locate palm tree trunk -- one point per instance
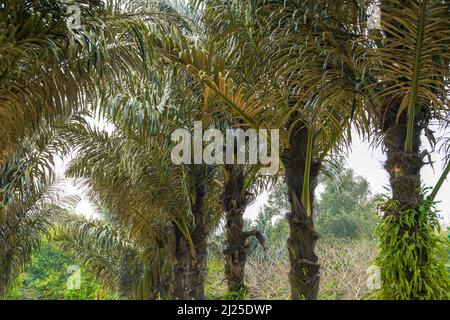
(234, 202)
(402, 143)
(5, 271)
(188, 267)
(304, 275)
(2, 276)
(401, 138)
(403, 167)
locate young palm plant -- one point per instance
(105, 248)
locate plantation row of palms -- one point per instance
(316, 70)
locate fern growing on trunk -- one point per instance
(412, 255)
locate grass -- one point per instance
(343, 273)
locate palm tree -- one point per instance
(32, 200)
(115, 260)
(280, 89)
(411, 63)
(399, 75)
(49, 70)
(413, 89)
(133, 165)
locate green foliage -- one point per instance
(46, 278)
(331, 69)
(346, 208)
(413, 256)
(242, 294)
(215, 287)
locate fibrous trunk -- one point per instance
(304, 274)
(408, 229)
(412, 239)
(189, 262)
(403, 167)
(234, 202)
(189, 268)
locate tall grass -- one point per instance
(343, 272)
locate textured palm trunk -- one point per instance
(3, 273)
(234, 202)
(188, 267)
(304, 274)
(403, 167)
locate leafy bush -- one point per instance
(45, 279)
(215, 287)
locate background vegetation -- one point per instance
(46, 279)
